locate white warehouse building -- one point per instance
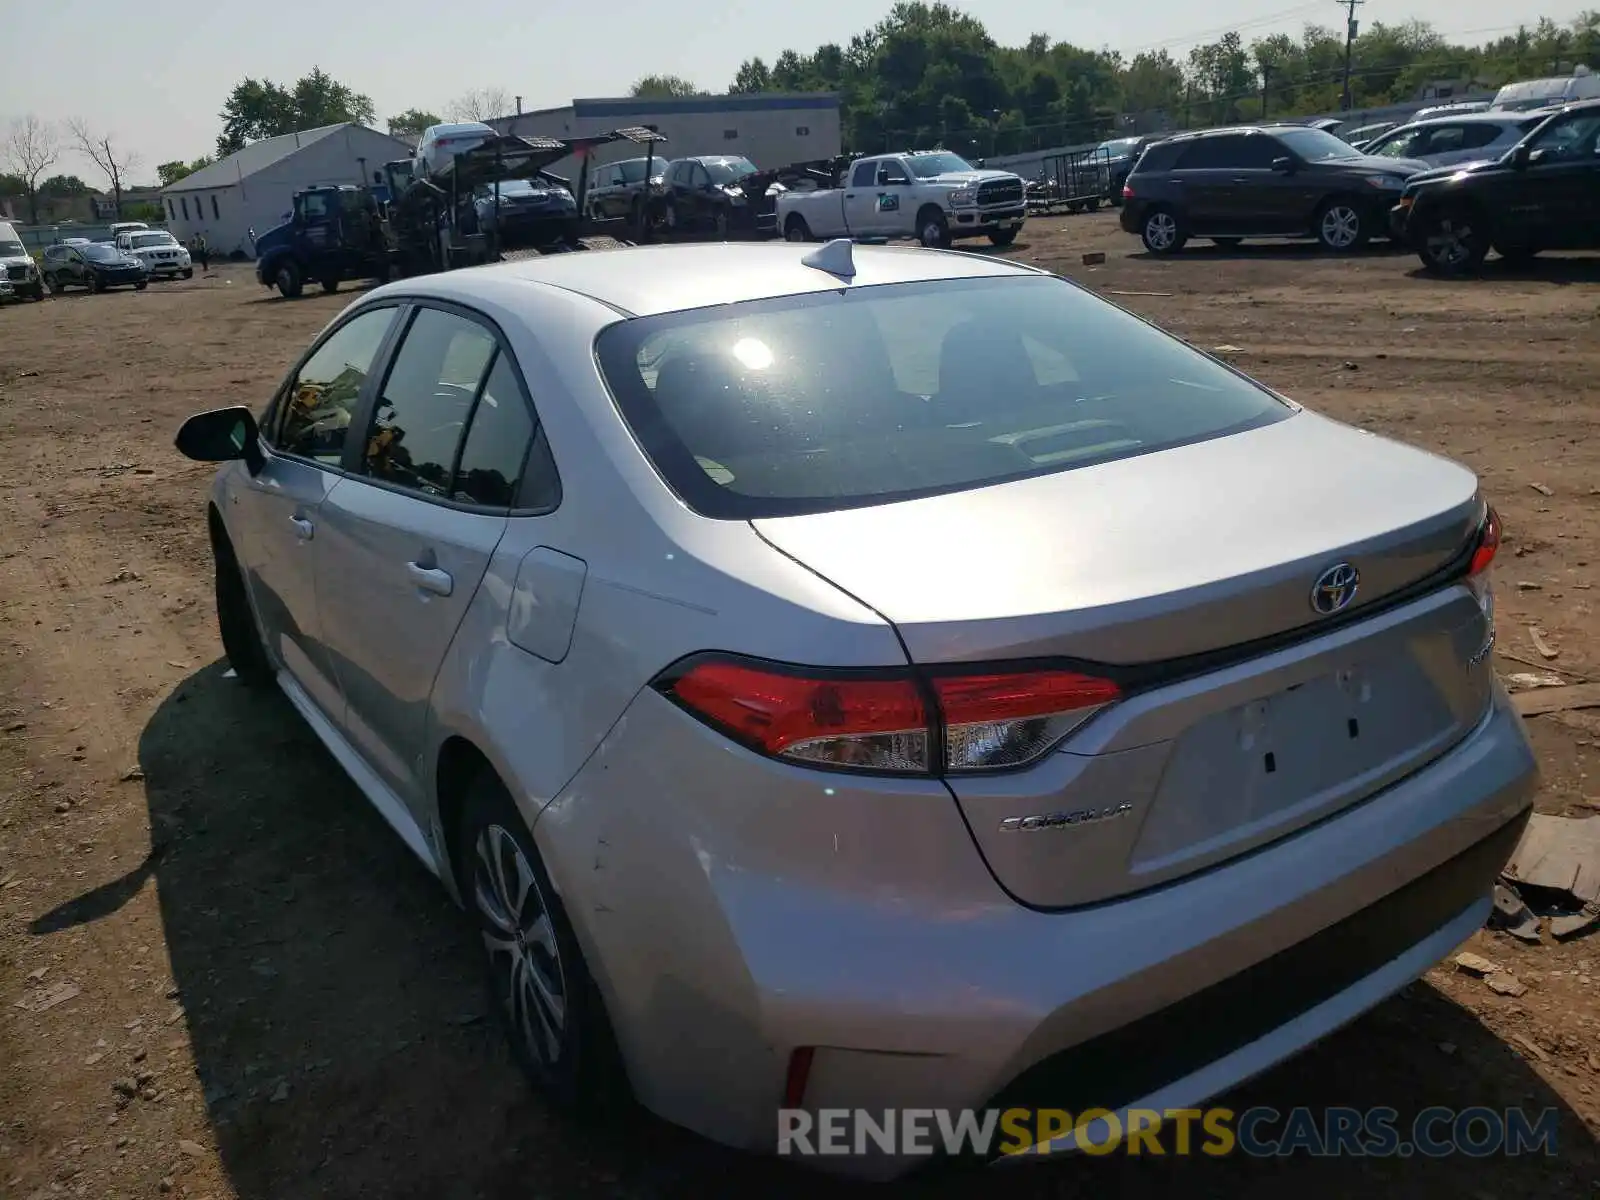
(254, 189)
(770, 129)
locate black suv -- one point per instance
(92, 265)
(1544, 194)
(1275, 181)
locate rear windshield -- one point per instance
(846, 398)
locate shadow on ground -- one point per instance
(1542, 268)
(340, 1033)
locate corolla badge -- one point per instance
(1334, 589)
(1065, 820)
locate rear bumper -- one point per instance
(734, 909)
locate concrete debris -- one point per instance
(47, 998)
(1476, 964)
(1527, 679)
(1541, 489)
(1561, 854)
(1557, 699)
(1506, 984)
(1545, 649)
(1513, 916)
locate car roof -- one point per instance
(649, 280)
(1476, 118)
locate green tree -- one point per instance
(659, 86)
(170, 172)
(413, 121)
(260, 108)
(63, 186)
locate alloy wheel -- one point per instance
(1449, 243)
(524, 959)
(1160, 230)
(1341, 227)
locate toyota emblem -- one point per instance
(1334, 589)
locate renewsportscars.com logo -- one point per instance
(1214, 1132)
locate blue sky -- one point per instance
(156, 73)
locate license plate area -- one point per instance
(1293, 756)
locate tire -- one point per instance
(241, 638)
(1003, 237)
(38, 292)
(795, 229)
(571, 1055)
(54, 284)
(721, 223)
(933, 230)
(669, 216)
(1094, 204)
(139, 287)
(1341, 227)
(288, 279)
(330, 285)
(1227, 243)
(1451, 244)
(93, 284)
(188, 272)
(1162, 232)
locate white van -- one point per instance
(17, 266)
(1582, 84)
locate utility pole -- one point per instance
(1350, 28)
(1266, 80)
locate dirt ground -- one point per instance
(258, 993)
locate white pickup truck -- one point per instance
(933, 196)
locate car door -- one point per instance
(277, 512)
(1203, 178)
(606, 192)
(1557, 195)
(1256, 198)
(402, 543)
(864, 198)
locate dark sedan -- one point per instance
(95, 266)
(531, 212)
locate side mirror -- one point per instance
(1283, 165)
(1521, 156)
(222, 435)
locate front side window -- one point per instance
(317, 407)
(1258, 152)
(426, 400)
(1567, 138)
(891, 172)
(839, 399)
(1402, 143)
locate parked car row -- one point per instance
(1452, 188)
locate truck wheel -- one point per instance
(287, 277)
(933, 231)
(795, 229)
(188, 272)
(330, 284)
(1003, 237)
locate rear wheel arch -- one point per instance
(460, 762)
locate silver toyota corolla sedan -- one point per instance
(874, 677)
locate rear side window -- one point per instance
(840, 399)
(497, 442)
(1202, 153)
(1159, 157)
(864, 174)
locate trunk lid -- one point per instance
(1172, 568)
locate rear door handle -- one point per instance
(303, 529)
(431, 579)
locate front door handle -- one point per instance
(431, 579)
(849, 195)
(303, 529)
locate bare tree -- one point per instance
(103, 151)
(31, 148)
(480, 104)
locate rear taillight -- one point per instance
(1488, 543)
(1127, 191)
(889, 721)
